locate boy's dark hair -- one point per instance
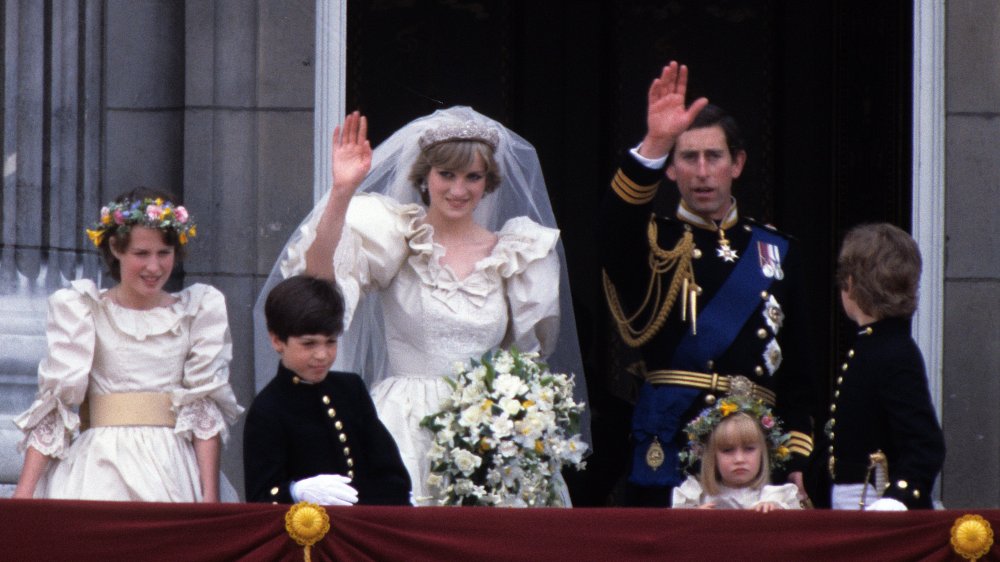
(303, 305)
(883, 264)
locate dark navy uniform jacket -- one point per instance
(882, 403)
(628, 216)
(296, 430)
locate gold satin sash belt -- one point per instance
(131, 408)
(736, 384)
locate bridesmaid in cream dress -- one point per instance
(150, 367)
(448, 288)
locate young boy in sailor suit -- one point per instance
(881, 411)
(312, 434)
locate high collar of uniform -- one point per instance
(288, 375)
(687, 215)
(886, 326)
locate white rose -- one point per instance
(463, 487)
(446, 436)
(503, 362)
(508, 448)
(477, 374)
(471, 415)
(465, 461)
(544, 397)
(436, 451)
(509, 386)
(510, 405)
(434, 480)
(501, 427)
(472, 394)
(531, 427)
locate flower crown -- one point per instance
(700, 428)
(119, 217)
(465, 130)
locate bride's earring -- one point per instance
(423, 187)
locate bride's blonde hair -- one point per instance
(453, 155)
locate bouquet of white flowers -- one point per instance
(504, 434)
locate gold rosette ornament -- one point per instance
(307, 523)
(971, 537)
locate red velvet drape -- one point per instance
(78, 530)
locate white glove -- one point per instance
(325, 489)
(887, 504)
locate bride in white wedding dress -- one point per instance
(428, 285)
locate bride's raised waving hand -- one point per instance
(351, 154)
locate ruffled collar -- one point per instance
(519, 242)
(142, 324)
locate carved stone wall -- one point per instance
(52, 155)
(210, 100)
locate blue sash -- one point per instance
(730, 308)
(659, 408)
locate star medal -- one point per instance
(654, 454)
(725, 252)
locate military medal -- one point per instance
(654, 454)
(725, 252)
(770, 261)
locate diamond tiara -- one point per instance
(466, 130)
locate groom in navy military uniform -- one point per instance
(713, 301)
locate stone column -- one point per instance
(248, 156)
(51, 150)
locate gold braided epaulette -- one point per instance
(657, 303)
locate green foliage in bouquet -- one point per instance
(505, 433)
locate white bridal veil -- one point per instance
(521, 193)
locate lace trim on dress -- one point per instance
(202, 419)
(48, 437)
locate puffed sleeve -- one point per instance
(531, 270)
(64, 373)
(785, 496)
(372, 246)
(205, 403)
(688, 494)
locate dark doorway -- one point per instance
(822, 90)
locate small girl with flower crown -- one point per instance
(738, 442)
